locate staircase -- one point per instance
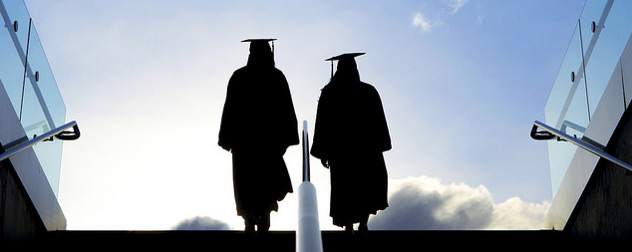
(332, 241)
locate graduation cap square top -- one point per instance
(345, 56)
(258, 40)
(258, 45)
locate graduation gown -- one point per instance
(351, 133)
(258, 124)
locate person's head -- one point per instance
(260, 52)
(347, 70)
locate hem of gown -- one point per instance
(272, 207)
(344, 221)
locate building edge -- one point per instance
(28, 203)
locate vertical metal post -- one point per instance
(308, 237)
(305, 153)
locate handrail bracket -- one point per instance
(69, 135)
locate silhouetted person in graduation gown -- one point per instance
(349, 137)
(258, 124)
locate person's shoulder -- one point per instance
(277, 71)
(368, 87)
(328, 87)
(239, 73)
(241, 70)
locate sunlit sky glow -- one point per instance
(461, 83)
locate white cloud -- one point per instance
(517, 214)
(201, 223)
(422, 22)
(456, 5)
(447, 8)
(423, 203)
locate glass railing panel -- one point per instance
(569, 77)
(19, 17)
(13, 38)
(11, 70)
(604, 42)
(33, 90)
(43, 109)
(566, 106)
(593, 11)
(560, 153)
(39, 71)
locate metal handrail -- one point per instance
(305, 153)
(551, 133)
(60, 133)
(308, 237)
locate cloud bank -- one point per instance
(201, 223)
(424, 203)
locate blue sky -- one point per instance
(461, 82)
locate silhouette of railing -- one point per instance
(308, 236)
(551, 133)
(305, 153)
(60, 133)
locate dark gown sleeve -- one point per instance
(227, 127)
(290, 132)
(321, 128)
(382, 135)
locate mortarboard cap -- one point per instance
(345, 56)
(260, 44)
(342, 57)
(258, 40)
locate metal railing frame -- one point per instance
(59, 133)
(551, 133)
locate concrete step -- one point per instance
(332, 240)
